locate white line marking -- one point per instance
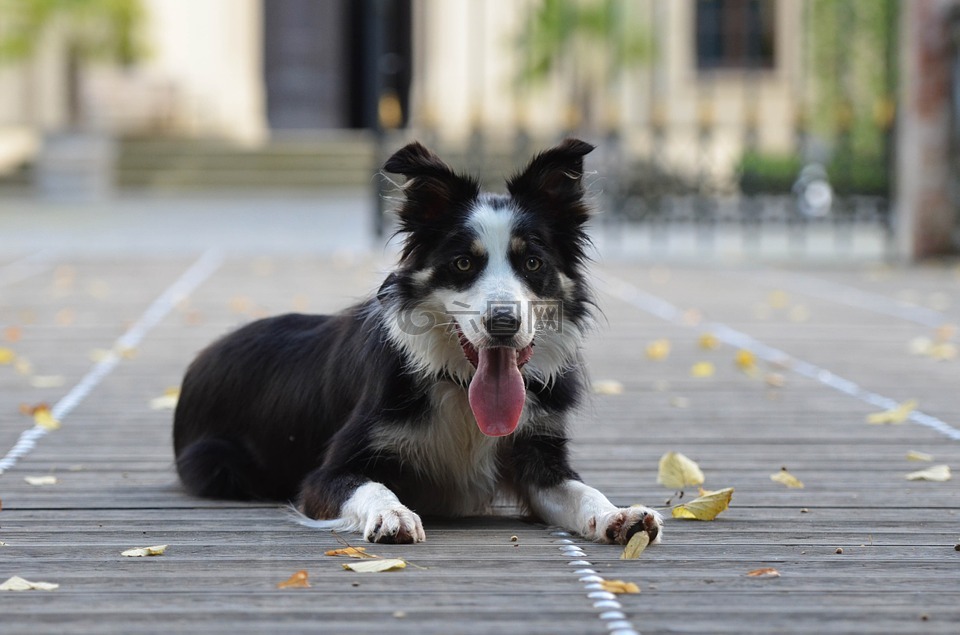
(209, 262)
(670, 313)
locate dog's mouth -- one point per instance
(496, 392)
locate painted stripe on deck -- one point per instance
(202, 269)
(668, 312)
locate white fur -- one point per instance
(578, 507)
(376, 512)
(449, 451)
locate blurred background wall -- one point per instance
(709, 111)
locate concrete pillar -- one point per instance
(926, 218)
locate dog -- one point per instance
(448, 390)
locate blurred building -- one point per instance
(701, 98)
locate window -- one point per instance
(735, 34)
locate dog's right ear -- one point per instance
(432, 188)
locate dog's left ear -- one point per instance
(555, 174)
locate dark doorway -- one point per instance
(328, 63)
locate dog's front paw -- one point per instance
(620, 526)
(394, 525)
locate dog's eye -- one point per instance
(463, 264)
(533, 263)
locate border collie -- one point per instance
(449, 389)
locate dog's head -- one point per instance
(491, 287)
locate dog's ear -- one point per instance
(555, 175)
(432, 188)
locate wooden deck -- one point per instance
(846, 333)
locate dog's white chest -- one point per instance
(449, 452)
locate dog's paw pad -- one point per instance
(629, 520)
(395, 526)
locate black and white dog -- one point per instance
(450, 388)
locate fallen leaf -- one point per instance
(766, 572)
(944, 332)
(680, 402)
(376, 566)
(706, 507)
(702, 369)
(23, 366)
(799, 313)
(619, 586)
(100, 354)
(142, 552)
(775, 380)
(778, 299)
(16, 583)
(7, 356)
(635, 546)
(943, 351)
(43, 418)
(788, 479)
(41, 480)
(745, 360)
(607, 387)
(47, 381)
(65, 317)
(920, 346)
(914, 455)
(166, 401)
(896, 415)
(12, 334)
(350, 552)
(676, 471)
(939, 473)
(658, 349)
(708, 341)
(298, 580)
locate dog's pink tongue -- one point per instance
(497, 392)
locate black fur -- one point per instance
(286, 408)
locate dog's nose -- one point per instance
(503, 321)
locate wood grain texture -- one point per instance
(116, 490)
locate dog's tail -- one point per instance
(220, 468)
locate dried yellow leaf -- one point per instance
(708, 341)
(7, 356)
(350, 552)
(939, 473)
(635, 546)
(298, 580)
(607, 387)
(45, 419)
(745, 360)
(376, 566)
(658, 349)
(766, 572)
(143, 552)
(41, 480)
(47, 381)
(706, 507)
(676, 471)
(619, 586)
(16, 583)
(896, 415)
(786, 478)
(945, 332)
(914, 455)
(166, 401)
(778, 299)
(702, 369)
(943, 351)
